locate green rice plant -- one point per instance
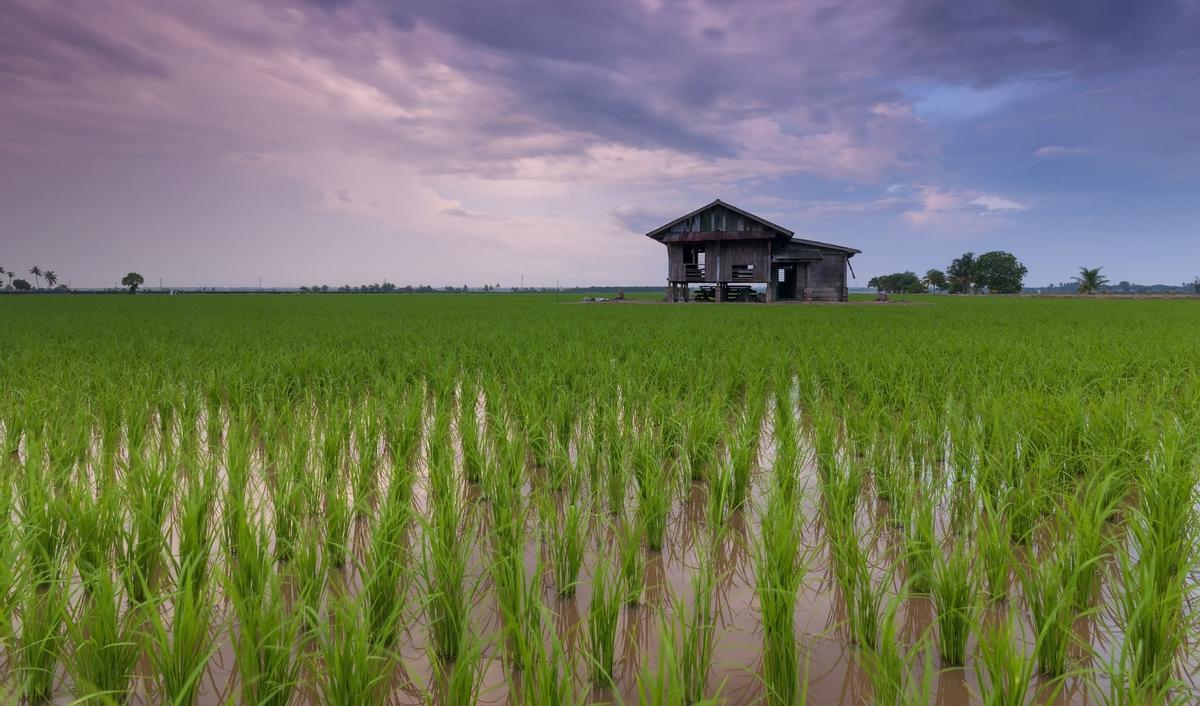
(96, 529)
(195, 533)
(249, 559)
(566, 534)
(460, 683)
(364, 472)
(474, 454)
(1048, 585)
(348, 669)
(995, 553)
(107, 642)
(338, 516)
(779, 573)
(148, 487)
(443, 569)
(864, 598)
(719, 496)
(920, 546)
(548, 677)
(40, 641)
(518, 596)
(697, 631)
(41, 517)
(385, 576)
(264, 643)
(655, 489)
(1009, 675)
(309, 571)
(891, 671)
(664, 683)
(10, 560)
(702, 438)
(1154, 568)
(617, 475)
(953, 591)
(1154, 626)
(1089, 540)
(604, 611)
(743, 450)
(632, 557)
(180, 649)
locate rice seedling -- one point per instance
(308, 572)
(348, 669)
(779, 573)
(697, 631)
(655, 492)
(443, 568)
(264, 644)
(633, 558)
(385, 578)
(743, 450)
(460, 683)
(337, 523)
(548, 677)
(995, 553)
(40, 640)
(603, 613)
(107, 642)
(953, 591)
(181, 648)
(1008, 673)
(891, 671)
(920, 546)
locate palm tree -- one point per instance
(51, 278)
(1090, 280)
(37, 273)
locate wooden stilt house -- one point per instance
(726, 251)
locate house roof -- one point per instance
(660, 233)
(731, 207)
(827, 246)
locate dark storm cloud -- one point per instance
(677, 74)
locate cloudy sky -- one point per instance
(455, 142)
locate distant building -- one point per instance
(727, 250)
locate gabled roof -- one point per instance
(735, 209)
(827, 246)
(659, 232)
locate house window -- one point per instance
(743, 273)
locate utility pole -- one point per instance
(260, 283)
(556, 290)
(522, 280)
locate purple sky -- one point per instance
(457, 142)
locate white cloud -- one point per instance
(991, 202)
(959, 210)
(1060, 151)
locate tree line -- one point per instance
(995, 272)
(17, 284)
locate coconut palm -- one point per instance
(1090, 280)
(51, 278)
(37, 274)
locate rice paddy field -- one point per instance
(458, 499)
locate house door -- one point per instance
(786, 282)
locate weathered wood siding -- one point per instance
(827, 277)
(734, 253)
(716, 218)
